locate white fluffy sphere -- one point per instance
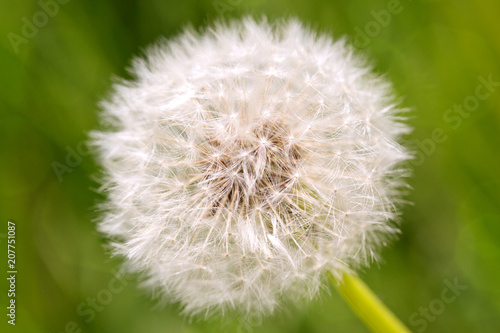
(243, 162)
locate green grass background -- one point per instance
(434, 52)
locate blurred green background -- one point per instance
(438, 53)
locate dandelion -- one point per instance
(244, 163)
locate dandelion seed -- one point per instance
(258, 196)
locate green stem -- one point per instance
(368, 306)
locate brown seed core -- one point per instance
(252, 170)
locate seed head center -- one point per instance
(244, 169)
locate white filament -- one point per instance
(245, 161)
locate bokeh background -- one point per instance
(437, 53)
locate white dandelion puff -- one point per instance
(245, 161)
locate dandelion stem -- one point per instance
(368, 306)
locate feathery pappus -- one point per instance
(243, 162)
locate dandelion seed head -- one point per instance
(245, 161)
